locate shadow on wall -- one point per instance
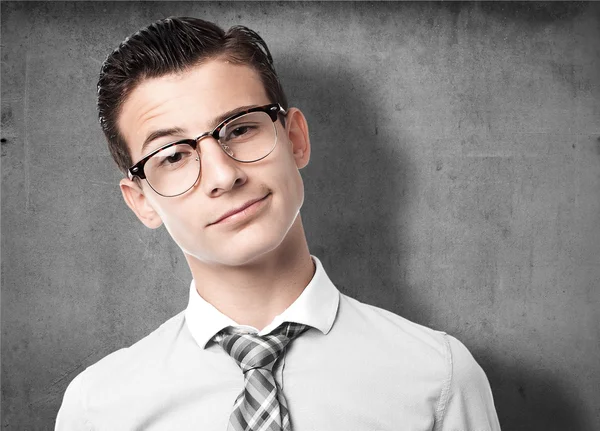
(358, 189)
(530, 398)
(357, 181)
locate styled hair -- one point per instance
(168, 46)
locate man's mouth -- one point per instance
(240, 211)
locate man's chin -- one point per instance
(236, 254)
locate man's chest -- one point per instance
(352, 396)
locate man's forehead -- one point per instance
(187, 101)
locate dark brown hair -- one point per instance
(173, 45)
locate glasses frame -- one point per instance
(272, 109)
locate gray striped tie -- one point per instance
(261, 406)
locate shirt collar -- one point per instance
(316, 307)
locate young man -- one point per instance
(198, 122)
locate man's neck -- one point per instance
(254, 294)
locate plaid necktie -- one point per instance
(261, 406)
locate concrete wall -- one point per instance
(455, 180)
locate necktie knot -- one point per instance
(252, 351)
(261, 404)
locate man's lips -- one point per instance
(239, 209)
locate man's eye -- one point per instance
(239, 131)
(174, 158)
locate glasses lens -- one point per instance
(173, 170)
(249, 137)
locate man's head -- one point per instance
(175, 81)
(170, 46)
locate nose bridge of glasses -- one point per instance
(204, 135)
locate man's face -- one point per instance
(191, 101)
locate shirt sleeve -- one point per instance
(72, 414)
(466, 402)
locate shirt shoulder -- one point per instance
(102, 379)
(390, 328)
(149, 348)
(466, 402)
(421, 356)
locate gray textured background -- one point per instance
(455, 180)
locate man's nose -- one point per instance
(219, 172)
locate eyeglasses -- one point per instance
(246, 137)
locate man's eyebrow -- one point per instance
(179, 131)
(159, 134)
(224, 116)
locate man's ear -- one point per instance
(138, 202)
(297, 131)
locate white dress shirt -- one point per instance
(359, 368)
